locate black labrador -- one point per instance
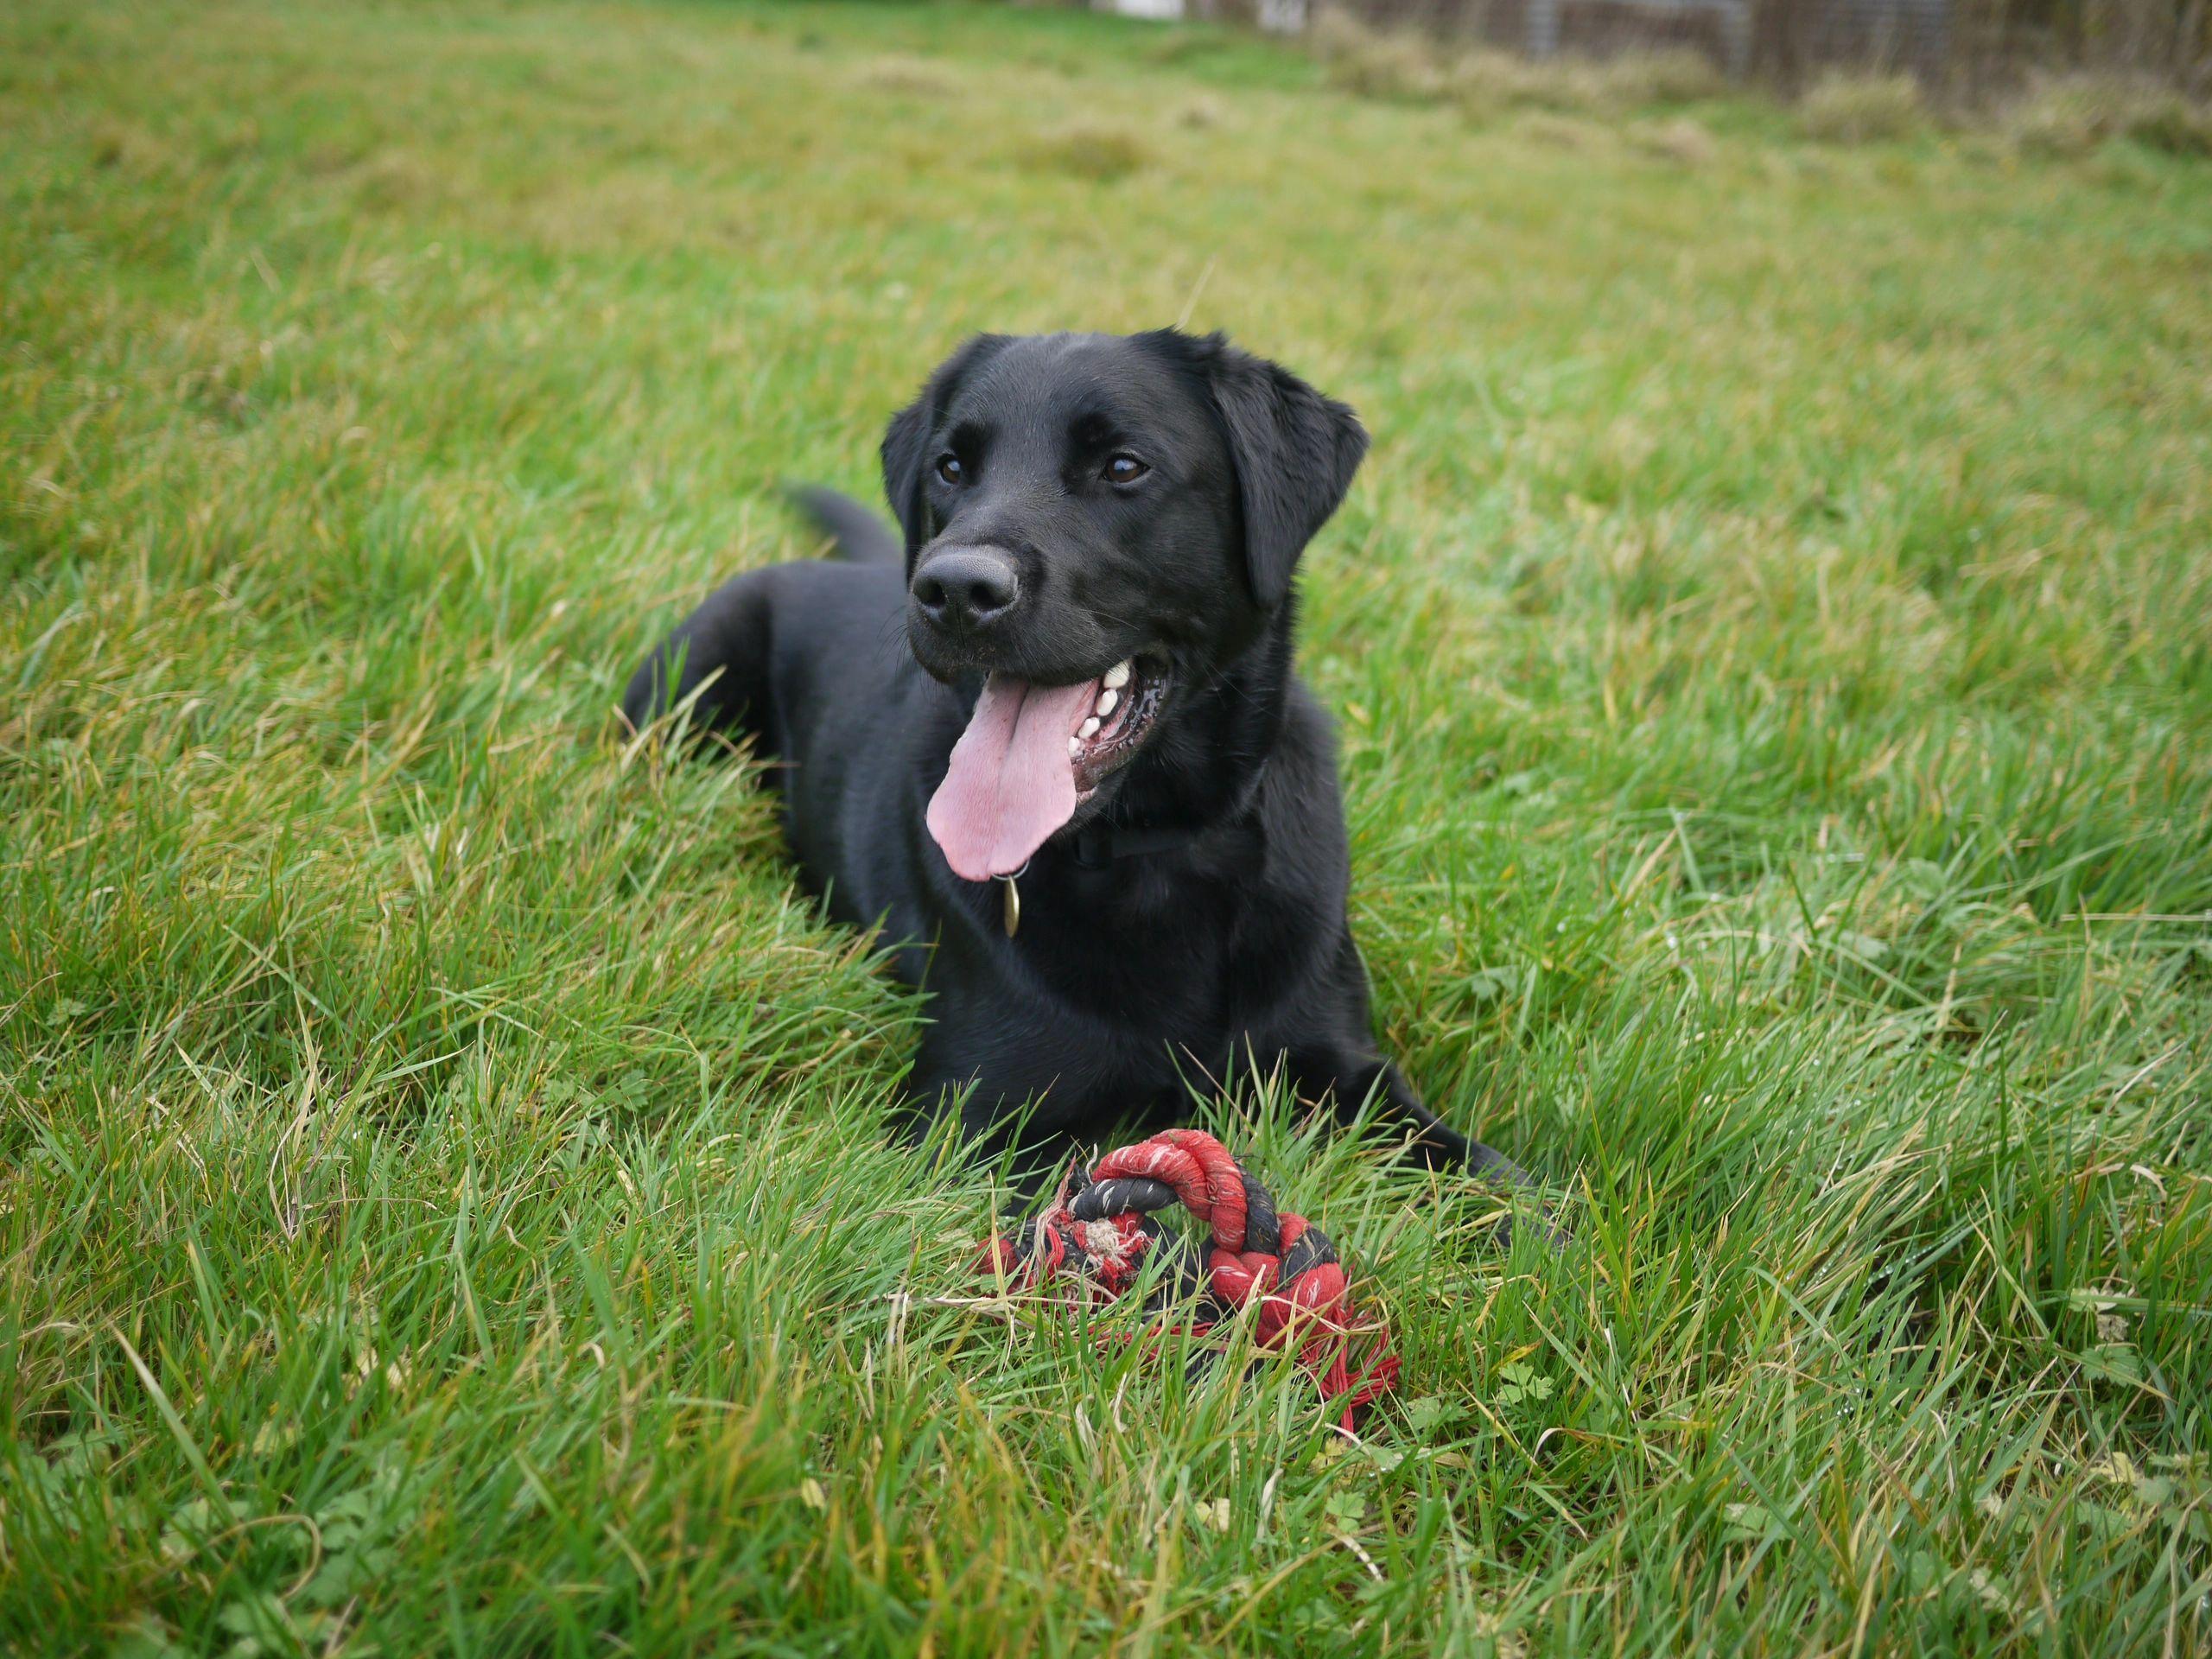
(1086, 793)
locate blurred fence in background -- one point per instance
(1965, 48)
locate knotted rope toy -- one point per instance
(1100, 1229)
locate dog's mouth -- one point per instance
(1031, 756)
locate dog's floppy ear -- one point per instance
(1295, 452)
(906, 441)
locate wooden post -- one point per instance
(1543, 27)
(1736, 37)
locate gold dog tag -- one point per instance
(1013, 905)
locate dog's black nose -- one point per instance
(966, 588)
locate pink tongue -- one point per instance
(1011, 782)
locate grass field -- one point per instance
(445, 1198)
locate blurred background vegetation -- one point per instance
(1968, 51)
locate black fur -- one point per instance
(1221, 943)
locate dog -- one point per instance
(1050, 738)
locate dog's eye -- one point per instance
(949, 469)
(1125, 469)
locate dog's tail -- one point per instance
(863, 536)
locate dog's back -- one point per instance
(860, 533)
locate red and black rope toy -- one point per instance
(1100, 1231)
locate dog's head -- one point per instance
(1098, 525)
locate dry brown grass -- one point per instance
(2061, 116)
(1485, 83)
(913, 76)
(2072, 115)
(1685, 142)
(1099, 151)
(1850, 107)
(1378, 63)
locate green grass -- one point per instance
(445, 1196)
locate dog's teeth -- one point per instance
(1117, 676)
(1075, 747)
(1089, 728)
(1107, 700)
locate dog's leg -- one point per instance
(1471, 1155)
(1004, 1102)
(1352, 1079)
(985, 1110)
(1436, 1143)
(1039, 1159)
(722, 647)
